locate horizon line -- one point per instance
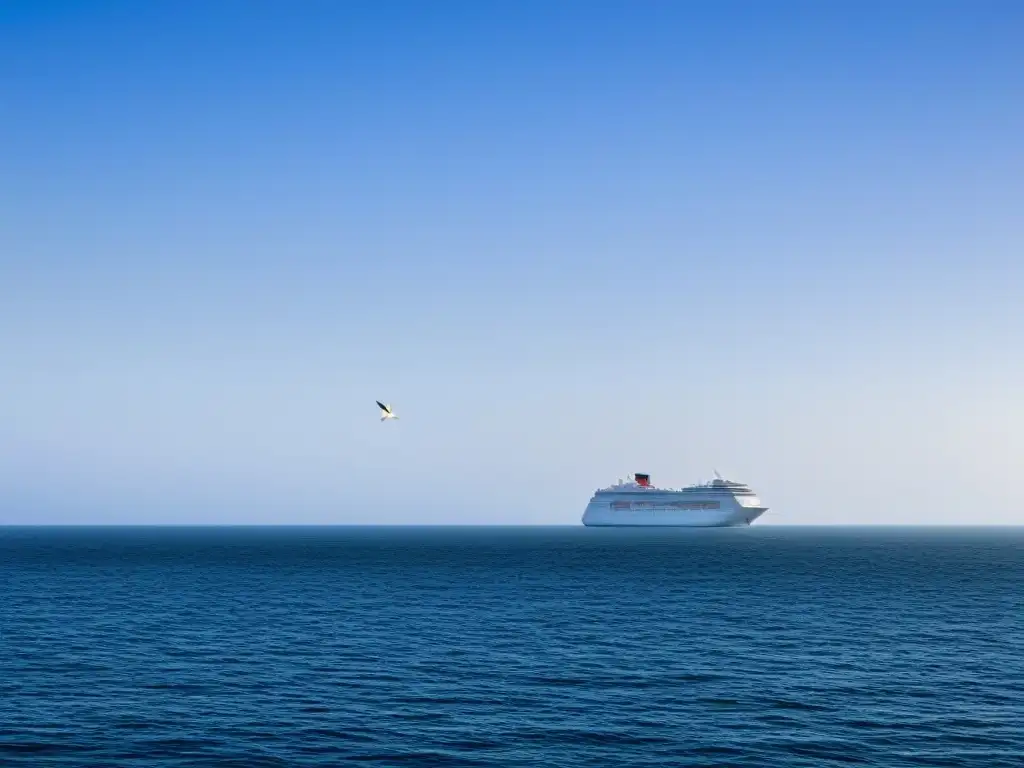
(502, 525)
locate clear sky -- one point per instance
(566, 240)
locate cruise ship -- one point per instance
(715, 504)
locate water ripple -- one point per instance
(563, 647)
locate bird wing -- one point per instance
(383, 407)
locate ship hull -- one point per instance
(732, 515)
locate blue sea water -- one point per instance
(766, 646)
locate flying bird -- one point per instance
(385, 411)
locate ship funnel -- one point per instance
(642, 480)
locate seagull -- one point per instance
(385, 411)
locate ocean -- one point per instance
(764, 646)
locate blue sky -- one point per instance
(566, 240)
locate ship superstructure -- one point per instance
(714, 504)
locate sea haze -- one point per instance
(767, 646)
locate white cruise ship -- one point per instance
(718, 503)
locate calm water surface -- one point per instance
(511, 647)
